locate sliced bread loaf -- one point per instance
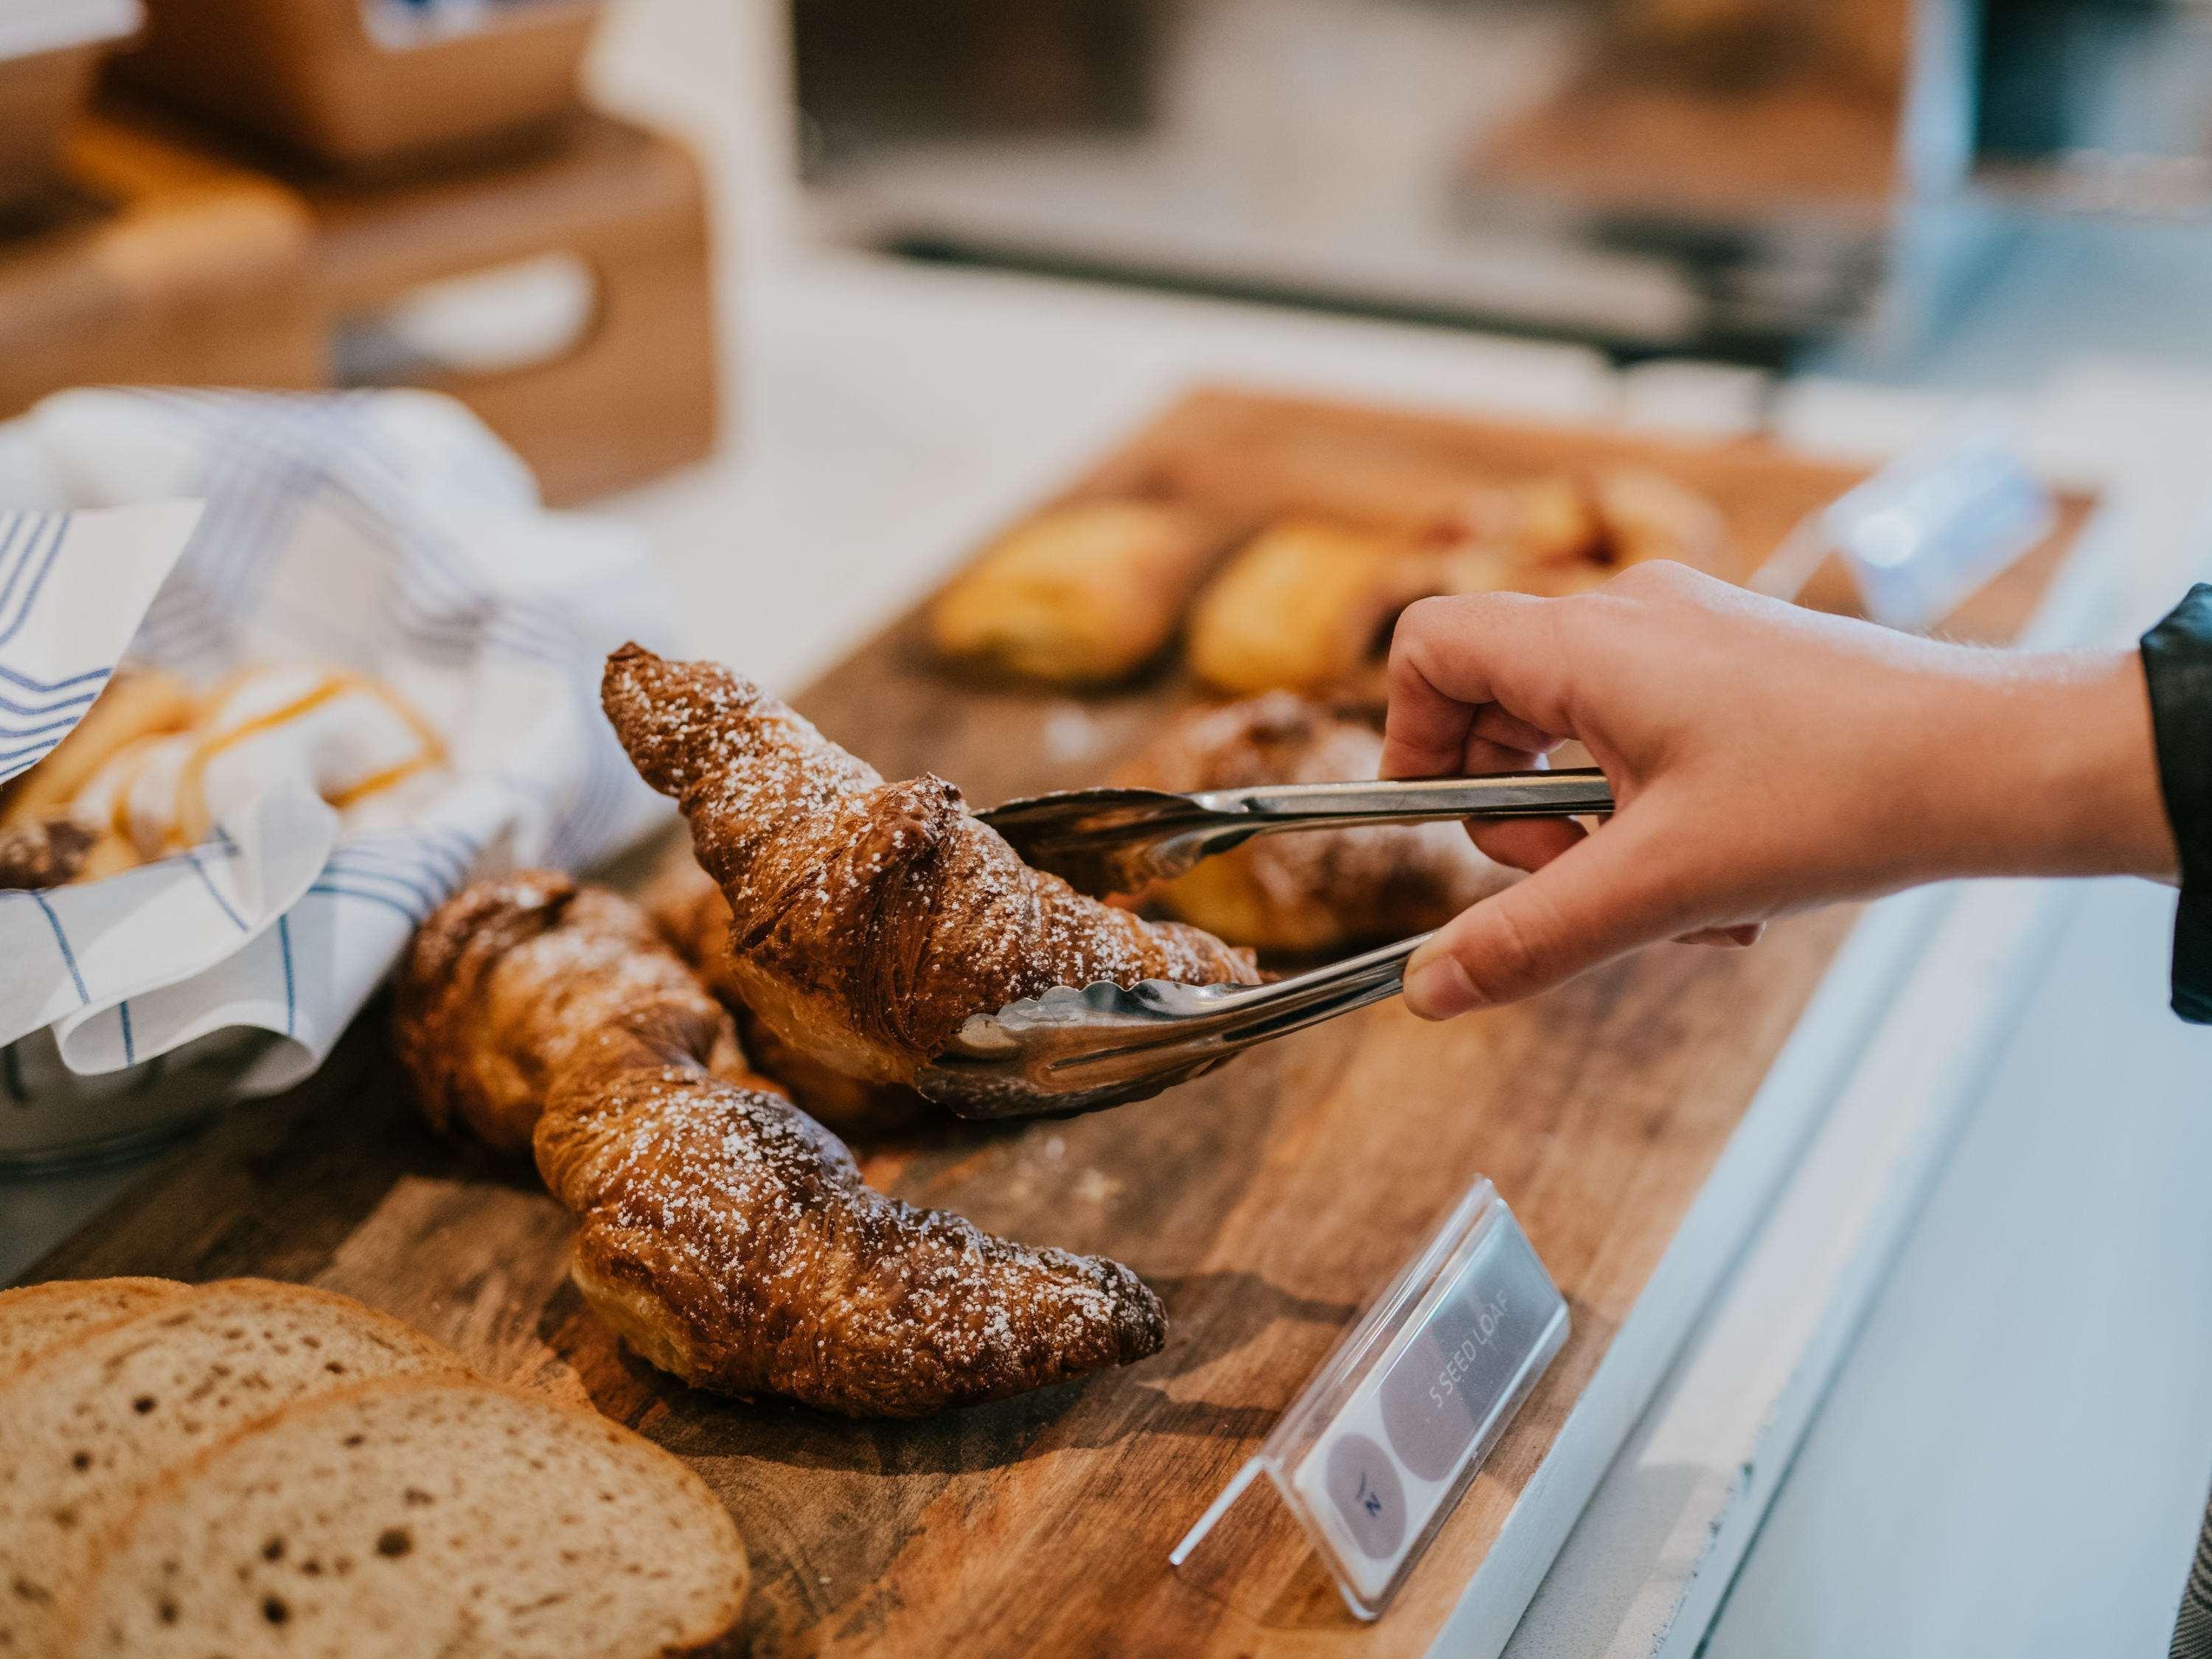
(87, 1429)
(417, 1516)
(39, 1318)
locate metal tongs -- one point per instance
(1076, 1048)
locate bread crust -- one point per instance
(715, 1633)
(37, 1319)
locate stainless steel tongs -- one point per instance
(1079, 1049)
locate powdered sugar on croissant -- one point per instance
(870, 918)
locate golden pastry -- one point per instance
(137, 703)
(1647, 515)
(1545, 519)
(870, 918)
(135, 779)
(1565, 534)
(1083, 594)
(725, 1235)
(361, 746)
(485, 1061)
(1324, 890)
(1305, 605)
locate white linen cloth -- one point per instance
(385, 532)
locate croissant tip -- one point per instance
(1144, 1323)
(632, 668)
(624, 661)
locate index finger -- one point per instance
(1452, 658)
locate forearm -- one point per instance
(2041, 765)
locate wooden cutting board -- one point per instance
(1265, 1202)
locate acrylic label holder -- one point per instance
(1929, 529)
(1373, 1455)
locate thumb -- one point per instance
(1601, 898)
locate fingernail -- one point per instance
(1439, 988)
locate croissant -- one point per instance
(1323, 890)
(694, 918)
(869, 919)
(723, 1233)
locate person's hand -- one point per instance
(1764, 759)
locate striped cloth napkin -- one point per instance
(387, 534)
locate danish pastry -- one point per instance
(1305, 605)
(1084, 594)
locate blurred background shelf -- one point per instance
(382, 86)
(153, 263)
(386, 195)
(564, 295)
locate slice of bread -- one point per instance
(39, 1318)
(414, 1517)
(85, 1431)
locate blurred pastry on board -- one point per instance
(1566, 534)
(1544, 520)
(1309, 605)
(1305, 603)
(1323, 892)
(133, 782)
(1081, 594)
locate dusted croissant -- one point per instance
(506, 982)
(728, 1237)
(870, 918)
(694, 918)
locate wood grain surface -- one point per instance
(1266, 1202)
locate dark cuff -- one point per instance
(2177, 658)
